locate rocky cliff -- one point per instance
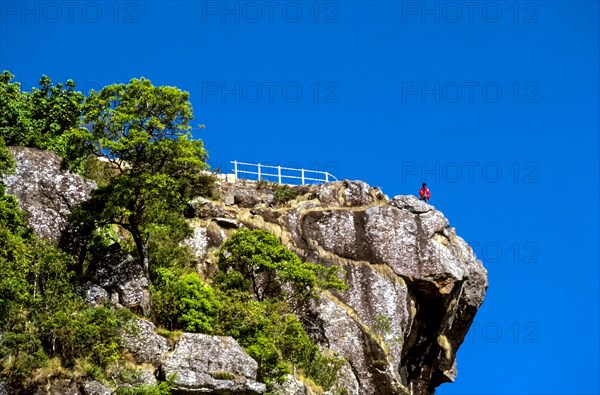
(414, 285)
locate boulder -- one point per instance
(246, 194)
(204, 208)
(120, 274)
(346, 382)
(93, 294)
(291, 386)
(212, 364)
(410, 203)
(144, 343)
(93, 387)
(44, 191)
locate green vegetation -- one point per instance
(383, 325)
(283, 194)
(267, 286)
(150, 168)
(184, 302)
(45, 326)
(160, 388)
(142, 132)
(256, 297)
(45, 118)
(256, 260)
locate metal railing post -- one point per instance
(259, 172)
(302, 176)
(326, 177)
(279, 173)
(235, 171)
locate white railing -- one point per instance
(280, 174)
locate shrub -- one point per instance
(283, 194)
(43, 322)
(383, 325)
(184, 302)
(277, 340)
(272, 271)
(263, 184)
(41, 316)
(266, 285)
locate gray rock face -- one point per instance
(204, 208)
(346, 382)
(291, 387)
(93, 294)
(212, 364)
(93, 387)
(245, 194)
(144, 343)
(44, 191)
(198, 242)
(118, 273)
(414, 285)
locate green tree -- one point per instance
(273, 271)
(15, 117)
(48, 117)
(55, 109)
(184, 302)
(41, 317)
(142, 132)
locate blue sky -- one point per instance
(494, 104)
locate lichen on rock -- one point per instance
(45, 191)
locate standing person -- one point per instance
(424, 193)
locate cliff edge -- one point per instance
(414, 285)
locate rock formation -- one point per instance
(212, 364)
(414, 285)
(45, 191)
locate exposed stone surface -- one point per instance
(93, 387)
(144, 343)
(212, 364)
(118, 273)
(93, 294)
(414, 285)
(44, 191)
(204, 208)
(198, 242)
(146, 376)
(245, 194)
(346, 381)
(291, 386)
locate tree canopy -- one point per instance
(142, 131)
(43, 118)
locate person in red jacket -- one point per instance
(424, 193)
